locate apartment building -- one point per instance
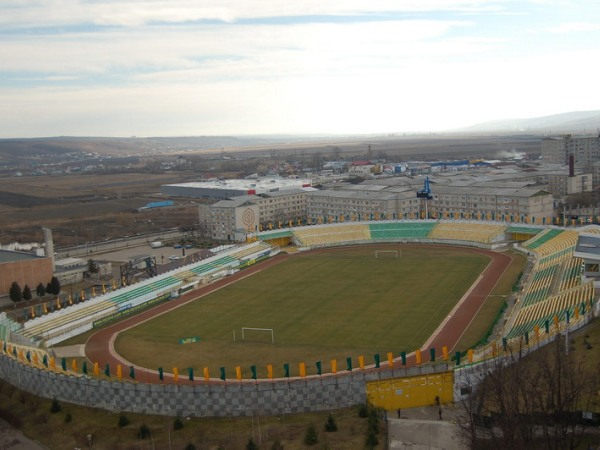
(585, 149)
(528, 204)
(233, 219)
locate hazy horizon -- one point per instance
(183, 68)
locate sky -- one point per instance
(255, 67)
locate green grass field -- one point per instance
(333, 305)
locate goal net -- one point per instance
(253, 331)
(393, 254)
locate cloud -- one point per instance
(575, 27)
(157, 67)
(250, 50)
(56, 13)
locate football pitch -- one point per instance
(321, 306)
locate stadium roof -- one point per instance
(588, 246)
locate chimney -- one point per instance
(571, 165)
(49, 244)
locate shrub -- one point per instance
(177, 423)
(371, 440)
(251, 445)
(277, 445)
(68, 418)
(123, 421)
(363, 411)
(373, 422)
(55, 407)
(144, 432)
(330, 425)
(190, 446)
(311, 437)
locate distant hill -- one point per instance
(20, 152)
(586, 122)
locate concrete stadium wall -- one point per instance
(295, 395)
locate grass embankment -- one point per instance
(69, 427)
(490, 311)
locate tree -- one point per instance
(144, 432)
(92, 266)
(15, 293)
(528, 401)
(54, 286)
(330, 425)
(55, 406)
(27, 293)
(40, 290)
(123, 421)
(177, 423)
(311, 437)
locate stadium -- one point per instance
(555, 293)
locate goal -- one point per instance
(394, 254)
(245, 330)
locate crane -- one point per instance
(425, 193)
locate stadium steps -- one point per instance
(467, 231)
(571, 275)
(513, 229)
(54, 323)
(319, 236)
(248, 251)
(557, 305)
(541, 238)
(266, 236)
(7, 326)
(401, 230)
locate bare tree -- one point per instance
(526, 402)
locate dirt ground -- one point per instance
(85, 208)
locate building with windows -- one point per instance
(526, 204)
(233, 219)
(585, 149)
(521, 204)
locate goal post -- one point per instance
(266, 330)
(394, 254)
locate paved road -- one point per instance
(12, 439)
(88, 248)
(421, 428)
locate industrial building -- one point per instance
(226, 189)
(24, 268)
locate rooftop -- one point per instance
(7, 256)
(259, 185)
